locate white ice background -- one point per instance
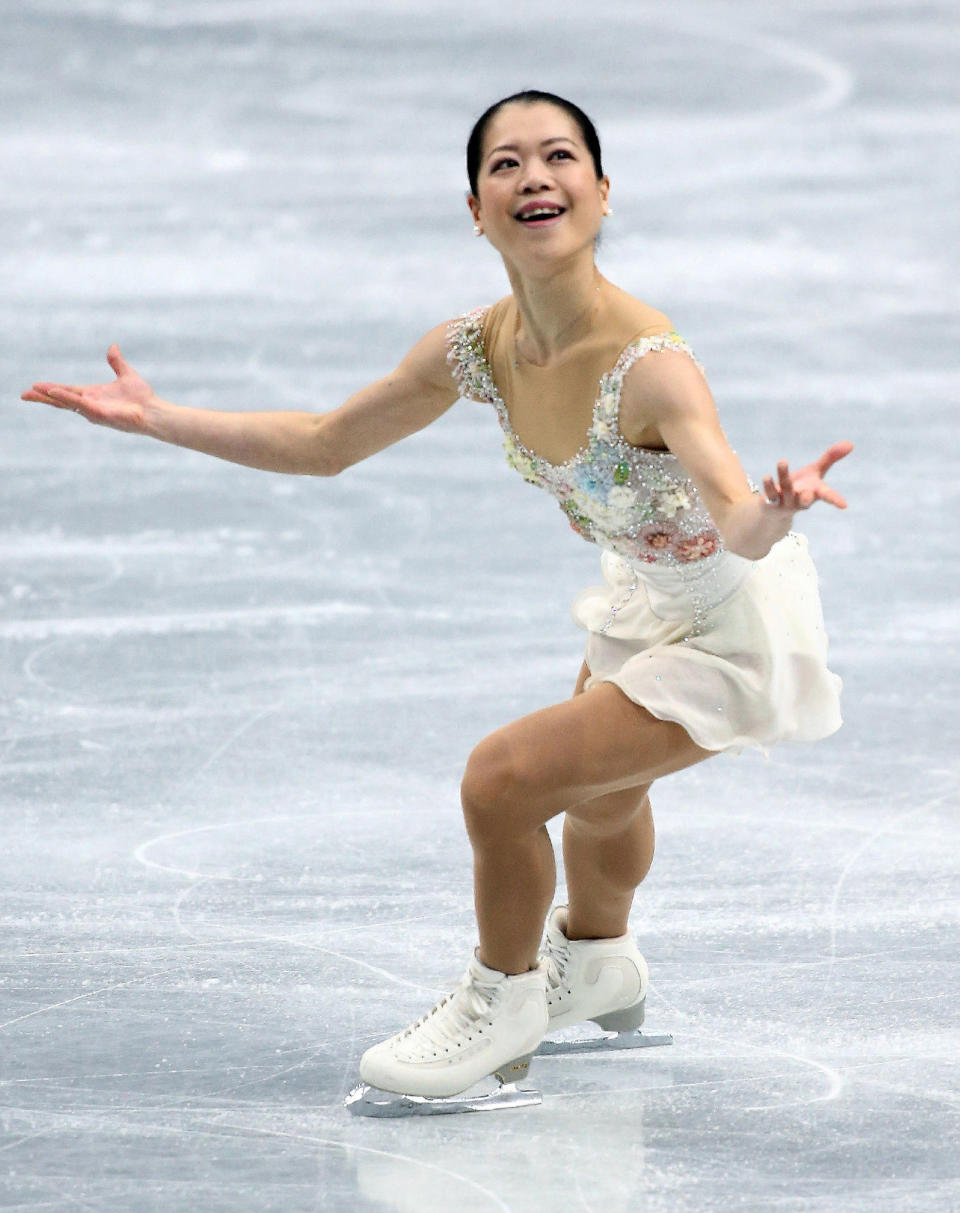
(236, 707)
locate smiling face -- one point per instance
(538, 195)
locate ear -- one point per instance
(604, 186)
(474, 204)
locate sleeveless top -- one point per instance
(632, 501)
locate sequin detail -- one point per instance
(630, 500)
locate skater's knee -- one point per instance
(492, 791)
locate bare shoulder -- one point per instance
(427, 362)
(665, 369)
(441, 355)
(664, 384)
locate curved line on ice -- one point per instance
(891, 822)
(837, 80)
(140, 854)
(836, 1080)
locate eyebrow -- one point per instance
(512, 147)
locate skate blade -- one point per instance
(604, 1044)
(364, 1100)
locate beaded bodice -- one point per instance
(636, 502)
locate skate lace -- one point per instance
(460, 1013)
(555, 957)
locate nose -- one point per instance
(535, 179)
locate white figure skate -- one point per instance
(488, 1027)
(600, 980)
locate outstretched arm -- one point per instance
(668, 390)
(300, 443)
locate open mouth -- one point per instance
(540, 214)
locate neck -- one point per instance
(555, 311)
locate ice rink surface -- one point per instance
(236, 706)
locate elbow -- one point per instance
(309, 463)
(324, 458)
(325, 467)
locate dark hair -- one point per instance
(530, 96)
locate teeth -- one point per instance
(545, 211)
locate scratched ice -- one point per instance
(236, 707)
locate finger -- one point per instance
(49, 387)
(831, 497)
(45, 398)
(117, 361)
(66, 396)
(76, 388)
(771, 490)
(39, 391)
(787, 494)
(839, 450)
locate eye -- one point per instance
(503, 162)
(561, 151)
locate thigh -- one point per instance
(579, 750)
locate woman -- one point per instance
(705, 637)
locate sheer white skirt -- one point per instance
(740, 659)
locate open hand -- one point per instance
(799, 490)
(122, 404)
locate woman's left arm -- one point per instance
(666, 390)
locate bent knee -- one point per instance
(493, 790)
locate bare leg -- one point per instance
(572, 756)
(513, 888)
(607, 851)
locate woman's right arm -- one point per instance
(307, 444)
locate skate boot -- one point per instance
(489, 1026)
(601, 980)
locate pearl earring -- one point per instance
(477, 229)
(608, 211)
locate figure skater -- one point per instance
(706, 636)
